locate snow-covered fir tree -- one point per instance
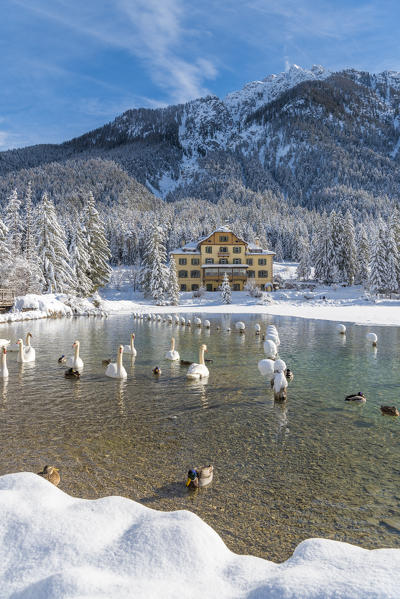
(29, 246)
(348, 250)
(323, 254)
(378, 265)
(173, 285)
(338, 257)
(53, 257)
(226, 293)
(99, 269)
(13, 222)
(304, 267)
(154, 273)
(80, 259)
(392, 261)
(363, 258)
(5, 254)
(394, 226)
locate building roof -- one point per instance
(192, 246)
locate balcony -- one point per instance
(220, 276)
(223, 254)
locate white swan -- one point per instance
(15, 346)
(25, 354)
(130, 349)
(75, 361)
(4, 369)
(200, 370)
(116, 370)
(172, 354)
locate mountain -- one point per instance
(322, 139)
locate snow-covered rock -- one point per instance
(56, 546)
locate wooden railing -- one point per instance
(7, 297)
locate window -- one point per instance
(237, 249)
(251, 274)
(183, 287)
(262, 261)
(208, 249)
(263, 274)
(249, 261)
(195, 261)
(195, 274)
(223, 260)
(195, 287)
(236, 286)
(182, 274)
(237, 261)
(182, 261)
(209, 287)
(223, 238)
(209, 260)
(224, 250)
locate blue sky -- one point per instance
(69, 66)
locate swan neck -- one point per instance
(76, 351)
(201, 359)
(3, 360)
(119, 361)
(21, 351)
(173, 344)
(132, 341)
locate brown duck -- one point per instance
(391, 410)
(51, 474)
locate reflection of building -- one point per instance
(204, 262)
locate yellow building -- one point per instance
(204, 262)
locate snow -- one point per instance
(56, 546)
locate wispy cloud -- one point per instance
(152, 31)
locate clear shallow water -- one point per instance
(315, 466)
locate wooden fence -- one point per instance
(7, 297)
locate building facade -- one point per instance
(204, 262)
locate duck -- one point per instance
(390, 410)
(115, 370)
(62, 359)
(75, 361)
(51, 474)
(3, 368)
(26, 353)
(289, 374)
(157, 370)
(200, 477)
(357, 397)
(200, 370)
(130, 349)
(106, 362)
(71, 373)
(172, 354)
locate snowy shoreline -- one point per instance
(54, 545)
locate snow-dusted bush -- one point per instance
(200, 292)
(252, 288)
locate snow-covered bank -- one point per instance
(52, 305)
(347, 305)
(56, 546)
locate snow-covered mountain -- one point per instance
(318, 137)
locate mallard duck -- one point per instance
(391, 410)
(71, 373)
(51, 474)
(359, 397)
(157, 370)
(289, 374)
(62, 359)
(200, 477)
(106, 362)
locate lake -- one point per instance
(314, 466)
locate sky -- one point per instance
(69, 66)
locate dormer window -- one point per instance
(223, 238)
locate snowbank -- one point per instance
(33, 306)
(56, 546)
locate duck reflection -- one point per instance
(282, 422)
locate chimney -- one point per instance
(183, 242)
(257, 242)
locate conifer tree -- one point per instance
(378, 266)
(99, 269)
(14, 224)
(28, 242)
(348, 250)
(304, 267)
(173, 285)
(323, 252)
(154, 273)
(79, 253)
(392, 261)
(5, 254)
(53, 255)
(226, 293)
(363, 260)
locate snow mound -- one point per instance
(56, 546)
